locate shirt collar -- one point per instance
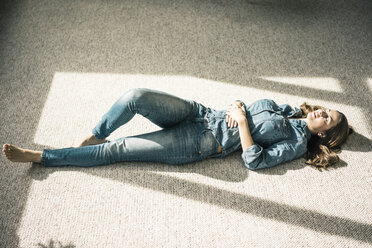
(302, 126)
(289, 111)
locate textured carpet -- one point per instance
(64, 63)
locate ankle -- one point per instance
(36, 157)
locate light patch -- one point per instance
(90, 206)
(77, 101)
(88, 211)
(321, 83)
(369, 82)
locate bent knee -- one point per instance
(137, 94)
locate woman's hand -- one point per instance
(235, 114)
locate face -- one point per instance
(322, 120)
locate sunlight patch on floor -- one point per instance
(84, 209)
(102, 199)
(369, 82)
(77, 101)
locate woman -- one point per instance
(267, 133)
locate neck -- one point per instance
(307, 124)
(312, 131)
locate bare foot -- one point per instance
(17, 154)
(91, 140)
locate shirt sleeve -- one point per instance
(255, 157)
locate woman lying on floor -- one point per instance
(268, 134)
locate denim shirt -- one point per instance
(277, 139)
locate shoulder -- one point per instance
(300, 132)
(290, 111)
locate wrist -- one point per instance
(243, 121)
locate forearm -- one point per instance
(245, 135)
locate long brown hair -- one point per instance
(321, 152)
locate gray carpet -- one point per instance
(63, 63)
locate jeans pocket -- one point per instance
(207, 144)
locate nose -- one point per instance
(323, 114)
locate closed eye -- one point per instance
(329, 116)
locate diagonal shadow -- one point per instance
(229, 200)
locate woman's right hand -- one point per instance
(230, 121)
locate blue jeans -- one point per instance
(184, 136)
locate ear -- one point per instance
(321, 135)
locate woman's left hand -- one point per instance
(235, 114)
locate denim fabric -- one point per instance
(184, 138)
(191, 132)
(277, 139)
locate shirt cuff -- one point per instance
(251, 154)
